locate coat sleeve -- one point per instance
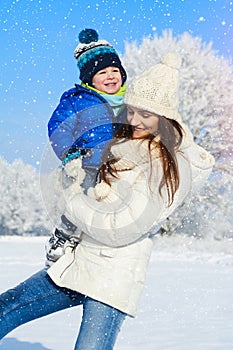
(81, 120)
(62, 125)
(127, 217)
(133, 206)
(201, 163)
(132, 210)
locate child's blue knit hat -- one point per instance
(93, 55)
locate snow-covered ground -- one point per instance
(187, 302)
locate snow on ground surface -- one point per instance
(187, 303)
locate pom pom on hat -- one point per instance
(93, 54)
(156, 89)
(171, 59)
(86, 36)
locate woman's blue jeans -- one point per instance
(38, 296)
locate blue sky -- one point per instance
(38, 38)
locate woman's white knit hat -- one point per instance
(156, 89)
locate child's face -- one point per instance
(107, 80)
(142, 122)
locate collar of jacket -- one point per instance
(120, 92)
(116, 100)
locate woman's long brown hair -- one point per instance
(171, 134)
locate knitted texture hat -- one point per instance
(156, 90)
(93, 55)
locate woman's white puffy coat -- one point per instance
(110, 263)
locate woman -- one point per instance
(150, 168)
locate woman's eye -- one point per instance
(129, 111)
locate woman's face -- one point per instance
(143, 123)
(107, 80)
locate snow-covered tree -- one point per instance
(206, 106)
(22, 211)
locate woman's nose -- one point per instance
(135, 120)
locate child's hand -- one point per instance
(74, 169)
(72, 154)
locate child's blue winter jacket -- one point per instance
(82, 120)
